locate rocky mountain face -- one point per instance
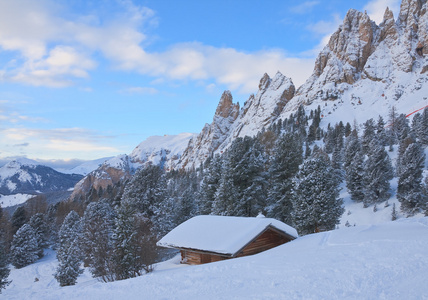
(366, 62)
(212, 135)
(230, 122)
(26, 177)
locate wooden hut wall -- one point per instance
(267, 240)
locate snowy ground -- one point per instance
(383, 261)
(11, 200)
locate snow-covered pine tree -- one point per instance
(392, 131)
(354, 167)
(97, 243)
(69, 253)
(134, 243)
(316, 205)
(40, 227)
(288, 155)
(147, 191)
(368, 135)
(422, 130)
(393, 213)
(209, 186)
(19, 218)
(4, 266)
(410, 191)
(241, 189)
(378, 172)
(380, 132)
(226, 193)
(250, 179)
(24, 250)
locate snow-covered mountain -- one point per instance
(366, 68)
(363, 71)
(27, 176)
(160, 150)
(84, 168)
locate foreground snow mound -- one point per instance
(384, 261)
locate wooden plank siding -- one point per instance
(266, 240)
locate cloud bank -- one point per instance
(54, 51)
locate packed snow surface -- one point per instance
(383, 261)
(220, 234)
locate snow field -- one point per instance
(383, 261)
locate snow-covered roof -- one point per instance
(220, 234)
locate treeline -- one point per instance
(290, 171)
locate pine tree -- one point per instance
(147, 191)
(409, 191)
(134, 243)
(241, 189)
(316, 204)
(288, 156)
(250, 180)
(392, 132)
(19, 218)
(24, 249)
(40, 227)
(422, 130)
(394, 213)
(4, 267)
(210, 185)
(69, 253)
(380, 132)
(378, 172)
(354, 167)
(368, 136)
(97, 242)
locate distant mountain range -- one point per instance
(27, 177)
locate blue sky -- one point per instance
(84, 79)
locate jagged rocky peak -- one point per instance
(226, 108)
(351, 45)
(264, 82)
(388, 27)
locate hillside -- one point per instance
(27, 176)
(384, 261)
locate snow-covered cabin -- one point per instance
(205, 239)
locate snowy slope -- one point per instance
(12, 200)
(86, 167)
(384, 261)
(158, 149)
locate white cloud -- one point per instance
(57, 51)
(59, 143)
(304, 7)
(376, 9)
(139, 90)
